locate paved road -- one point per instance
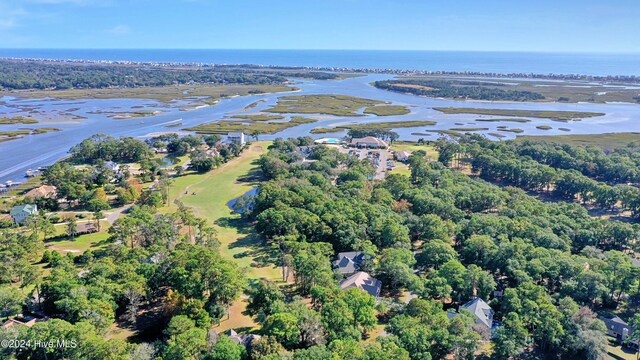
(114, 215)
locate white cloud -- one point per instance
(10, 15)
(120, 29)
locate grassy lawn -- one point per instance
(608, 141)
(432, 153)
(553, 115)
(81, 242)
(238, 241)
(403, 169)
(615, 351)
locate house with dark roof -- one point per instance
(350, 262)
(362, 281)
(619, 329)
(481, 311)
(243, 339)
(20, 212)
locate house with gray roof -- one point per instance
(20, 212)
(243, 339)
(619, 329)
(350, 262)
(362, 281)
(482, 312)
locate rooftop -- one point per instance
(481, 310)
(362, 281)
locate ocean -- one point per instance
(496, 62)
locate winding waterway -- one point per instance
(30, 152)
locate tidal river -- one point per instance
(30, 152)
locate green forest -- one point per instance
(458, 89)
(511, 223)
(23, 74)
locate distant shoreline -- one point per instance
(629, 79)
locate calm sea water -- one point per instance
(499, 62)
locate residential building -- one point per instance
(113, 166)
(236, 137)
(369, 142)
(362, 281)
(619, 329)
(482, 312)
(402, 156)
(20, 212)
(350, 262)
(44, 191)
(243, 339)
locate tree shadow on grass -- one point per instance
(263, 255)
(254, 175)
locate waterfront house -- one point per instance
(21, 212)
(362, 281)
(236, 137)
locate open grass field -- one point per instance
(370, 126)
(238, 241)
(249, 127)
(411, 146)
(387, 110)
(553, 115)
(17, 120)
(80, 244)
(605, 141)
(161, 93)
(338, 105)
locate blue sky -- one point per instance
(490, 25)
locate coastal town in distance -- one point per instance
(460, 185)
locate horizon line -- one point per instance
(309, 49)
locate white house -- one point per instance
(236, 137)
(20, 212)
(113, 166)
